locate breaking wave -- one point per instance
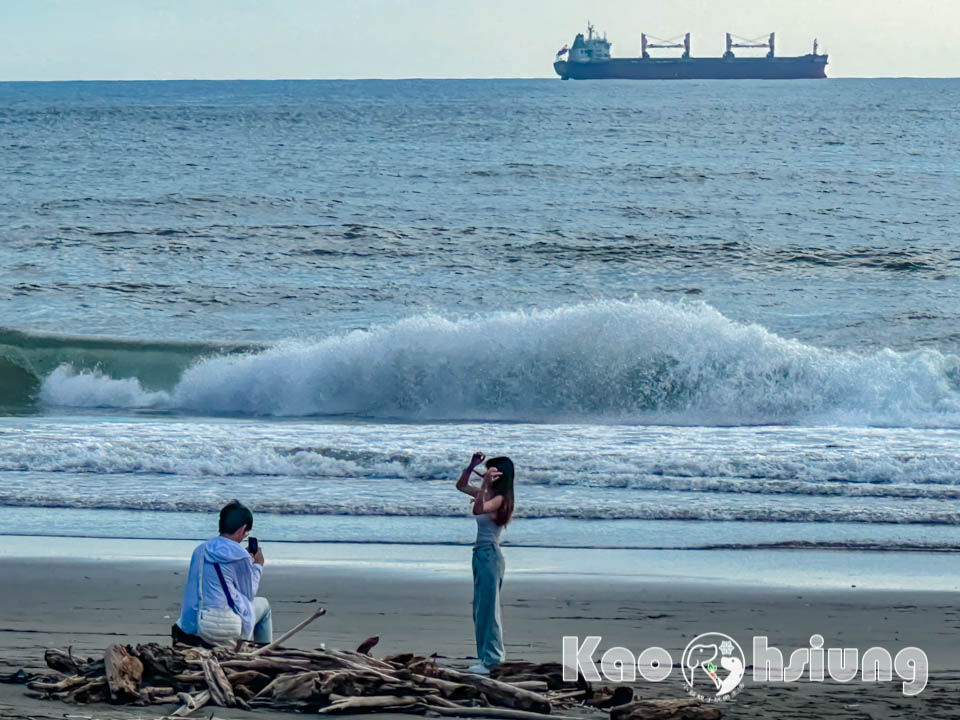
(28, 360)
(636, 361)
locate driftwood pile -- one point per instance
(326, 681)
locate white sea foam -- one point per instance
(565, 471)
(65, 387)
(633, 361)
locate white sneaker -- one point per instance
(479, 669)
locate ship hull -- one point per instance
(784, 68)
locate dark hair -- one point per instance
(503, 486)
(233, 516)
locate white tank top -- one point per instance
(487, 529)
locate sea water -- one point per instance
(696, 314)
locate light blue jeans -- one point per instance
(488, 567)
(263, 617)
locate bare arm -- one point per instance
(463, 484)
(482, 502)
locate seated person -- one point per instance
(224, 578)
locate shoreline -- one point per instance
(820, 569)
(456, 530)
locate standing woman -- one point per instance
(493, 507)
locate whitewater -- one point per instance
(631, 362)
(691, 327)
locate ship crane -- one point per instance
(644, 44)
(744, 43)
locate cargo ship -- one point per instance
(589, 59)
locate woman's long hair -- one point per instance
(503, 487)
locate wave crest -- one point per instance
(612, 361)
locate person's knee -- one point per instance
(261, 607)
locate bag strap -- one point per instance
(200, 588)
(226, 590)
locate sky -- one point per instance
(228, 39)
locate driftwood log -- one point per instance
(500, 693)
(330, 682)
(124, 673)
(221, 691)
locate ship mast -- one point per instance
(743, 43)
(646, 44)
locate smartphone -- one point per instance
(252, 546)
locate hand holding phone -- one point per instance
(252, 546)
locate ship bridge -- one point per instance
(590, 48)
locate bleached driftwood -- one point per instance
(68, 683)
(366, 704)
(191, 703)
(124, 672)
(221, 691)
(319, 612)
(329, 682)
(539, 686)
(506, 694)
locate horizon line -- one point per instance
(422, 78)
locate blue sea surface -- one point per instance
(697, 314)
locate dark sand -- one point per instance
(90, 604)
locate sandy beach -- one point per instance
(425, 607)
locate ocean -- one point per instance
(698, 315)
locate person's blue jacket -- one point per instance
(240, 572)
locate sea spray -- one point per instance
(637, 361)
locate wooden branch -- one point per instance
(385, 675)
(221, 691)
(191, 703)
(65, 684)
(448, 689)
(499, 692)
(367, 645)
(66, 663)
(267, 665)
(61, 662)
(572, 695)
(365, 660)
(248, 678)
(320, 612)
(291, 688)
(441, 701)
(158, 695)
(373, 702)
(534, 685)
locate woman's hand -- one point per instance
(463, 484)
(491, 476)
(482, 503)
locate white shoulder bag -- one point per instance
(218, 626)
